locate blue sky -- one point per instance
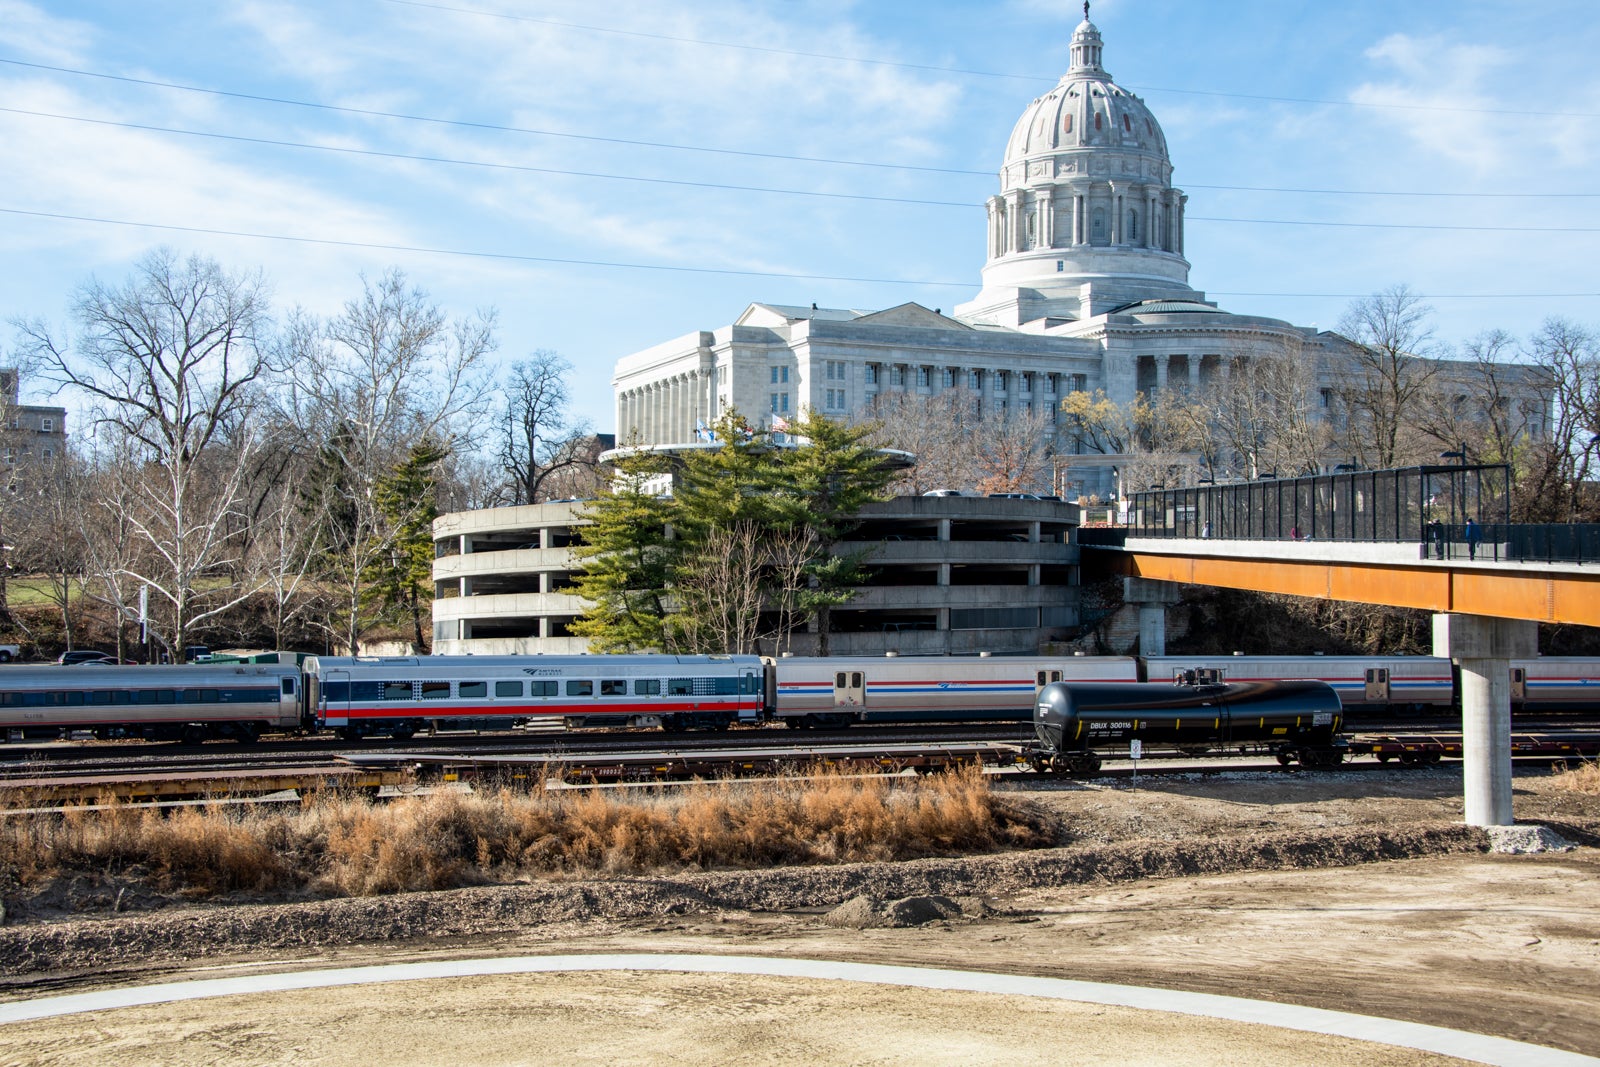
(1308, 111)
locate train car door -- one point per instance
(849, 689)
(1519, 685)
(1042, 679)
(1377, 687)
(333, 699)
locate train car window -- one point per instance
(580, 689)
(336, 691)
(214, 696)
(472, 690)
(435, 691)
(190, 696)
(647, 687)
(680, 687)
(396, 690)
(722, 687)
(508, 689)
(542, 689)
(855, 680)
(100, 696)
(288, 687)
(839, 681)
(121, 696)
(750, 684)
(613, 687)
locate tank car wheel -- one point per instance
(1409, 759)
(193, 734)
(797, 722)
(1432, 758)
(1284, 759)
(1384, 757)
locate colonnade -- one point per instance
(1160, 211)
(665, 411)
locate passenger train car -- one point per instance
(402, 694)
(190, 703)
(836, 692)
(1395, 684)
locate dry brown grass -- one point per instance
(337, 844)
(1584, 779)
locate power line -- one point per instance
(488, 165)
(483, 164)
(609, 264)
(472, 254)
(867, 60)
(498, 128)
(1398, 225)
(495, 127)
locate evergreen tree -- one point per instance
(824, 483)
(401, 578)
(628, 557)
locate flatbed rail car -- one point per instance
(1420, 748)
(183, 702)
(837, 691)
(399, 695)
(1076, 723)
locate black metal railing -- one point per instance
(1448, 512)
(1386, 505)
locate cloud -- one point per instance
(34, 34)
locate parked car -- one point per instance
(196, 654)
(84, 655)
(10, 652)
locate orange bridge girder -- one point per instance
(1555, 593)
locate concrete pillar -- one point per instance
(1152, 598)
(1483, 648)
(465, 586)
(944, 529)
(944, 574)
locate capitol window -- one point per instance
(922, 376)
(872, 373)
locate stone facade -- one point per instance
(1085, 287)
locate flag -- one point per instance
(702, 432)
(780, 423)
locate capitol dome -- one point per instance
(1087, 218)
(1086, 109)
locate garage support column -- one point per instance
(944, 529)
(1152, 598)
(1483, 649)
(944, 574)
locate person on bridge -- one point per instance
(1436, 536)
(1474, 535)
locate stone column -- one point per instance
(1045, 204)
(1161, 373)
(1078, 228)
(1114, 232)
(1182, 202)
(1483, 649)
(1152, 598)
(1018, 222)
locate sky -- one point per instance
(611, 175)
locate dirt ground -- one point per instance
(1358, 892)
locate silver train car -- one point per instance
(399, 695)
(191, 703)
(836, 692)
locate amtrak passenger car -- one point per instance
(399, 695)
(836, 692)
(185, 702)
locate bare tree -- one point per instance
(933, 429)
(1012, 451)
(1558, 470)
(387, 372)
(1392, 363)
(1262, 415)
(535, 441)
(171, 361)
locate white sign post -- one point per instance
(1136, 753)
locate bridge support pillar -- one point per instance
(1153, 598)
(1483, 648)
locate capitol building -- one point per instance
(1084, 288)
